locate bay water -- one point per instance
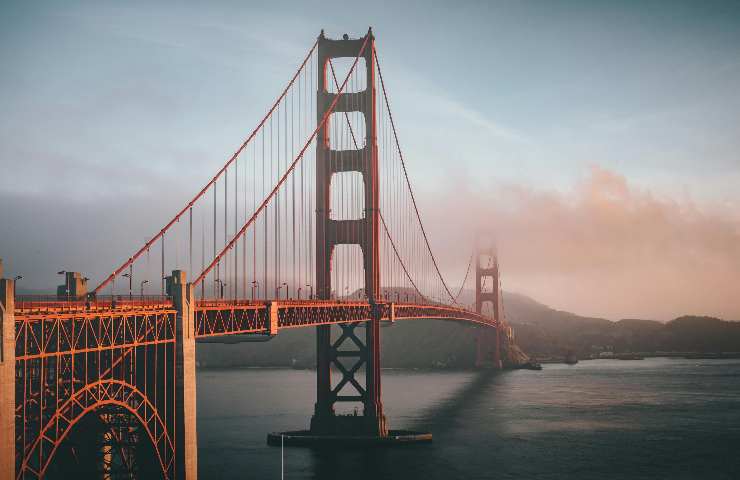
(600, 419)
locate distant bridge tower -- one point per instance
(487, 275)
(362, 232)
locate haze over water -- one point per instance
(607, 419)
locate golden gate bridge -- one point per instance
(312, 222)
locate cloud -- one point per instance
(604, 247)
(458, 111)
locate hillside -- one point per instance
(542, 331)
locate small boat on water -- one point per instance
(531, 365)
(571, 358)
(629, 356)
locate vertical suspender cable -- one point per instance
(162, 265)
(190, 227)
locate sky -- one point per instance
(600, 140)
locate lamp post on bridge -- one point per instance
(278, 288)
(141, 287)
(130, 282)
(255, 284)
(221, 289)
(287, 290)
(310, 292)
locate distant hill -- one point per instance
(539, 330)
(543, 331)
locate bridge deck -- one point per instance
(50, 327)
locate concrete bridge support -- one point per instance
(186, 439)
(7, 378)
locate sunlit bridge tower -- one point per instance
(487, 290)
(361, 231)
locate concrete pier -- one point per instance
(186, 444)
(7, 378)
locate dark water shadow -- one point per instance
(401, 461)
(443, 415)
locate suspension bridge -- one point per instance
(312, 222)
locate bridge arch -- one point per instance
(94, 396)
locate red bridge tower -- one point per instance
(487, 274)
(362, 232)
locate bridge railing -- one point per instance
(53, 304)
(217, 317)
(205, 303)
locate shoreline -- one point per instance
(548, 361)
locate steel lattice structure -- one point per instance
(71, 361)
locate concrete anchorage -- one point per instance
(75, 286)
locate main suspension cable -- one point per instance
(467, 272)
